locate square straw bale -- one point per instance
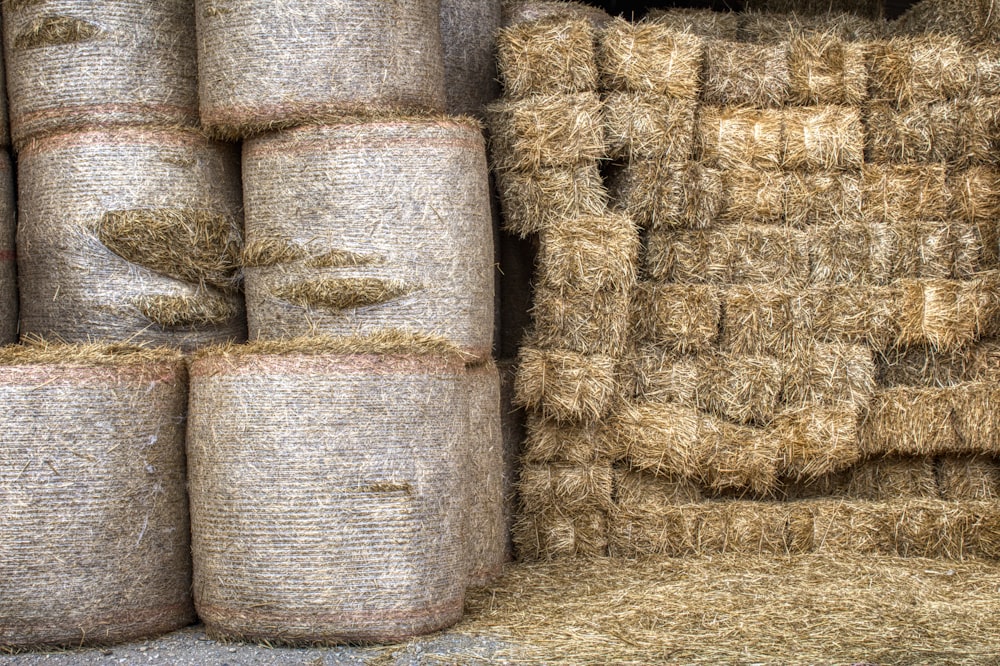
(975, 196)
(893, 477)
(824, 68)
(910, 421)
(549, 535)
(765, 254)
(987, 81)
(983, 362)
(753, 196)
(861, 528)
(538, 199)
(737, 457)
(759, 528)
(903, 192)
(770, 26)
(740, 74)
(688, 256)
(549, 441)
(667, 530)
(955, 132)
(546, 131)
(972, 529)
(976, 408)
(641, 492)
(860, 314)
(658, 437)
(564, 385)
(924, 366)
(648, 126)
(968, 478)
(822, 197)
(594, 252)
(906, 71)
(661, 375)
(551, 56)
(823, 137)
(820, 9)
(746, 389)
(740, 138)
(651, 57)
(581, 319)
(857, 252)
(981, 296)
(816, 440)
(701, 22)
(764, 319)
(677, 317)
(931, 249)
(566, 487)
(658, 194)
(830, 374)
(945, 314)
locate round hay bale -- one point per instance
(390, 228)
(265, 65)
(468, 28)
(130, 234)
(8, 256)
(94, 547)
(332, 509)
(522, 11)
(487, 540)
(4, 115)
(73, 65)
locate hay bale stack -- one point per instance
(344, 526)
(468, 30)
(264, 65)
(77, 65)
(390, 229)
(8, 256)
(130, 234)
(95, 540)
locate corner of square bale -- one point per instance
(737, 457)
(856, 252)
(764, 319)
(546, 131)
(816, 440)
(743, 388)
(920, 69)
(593, 252)
(701, 22)
(552, 487)
(910, 421)
(830, 374)
(742, 74)
(648, 126)
(662, 375)
(945, 314)
(754, 196)
(823, 137)
(677, 317)
(968, 477)
(641, 492)
(549, 441)
(825, 68)
(581, 319)
(541, 198)
(564, 385)
(859, 314)
(553, 535)
(651, 57)
(665, 195)
(658, 437)
(740, 138)
(549, 56)
(976, 409)
(902, 192)
(822, 197)
(667, 530)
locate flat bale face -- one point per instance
(550, 56)
(468, 30)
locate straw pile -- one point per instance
(130, 234)
(85, 427)
(81, 65)
(390, 229)
(8, 272)
(331, 511)
(468, 31)
(264, 65)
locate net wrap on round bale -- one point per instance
(330, 510)
(264, 64)
(131, 234)
(359, 228)
(8, 257)
(73, 65)
(468, 31)
(95, 545)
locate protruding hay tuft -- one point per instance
(901, 193)
(636, 491)
(546, 131)
(342, 293)
(564, 385)
(824, 137)
(648, 126)
(735, 137)
(550, 441)
(701, 22)
(753, 196)
(856, 252)
(55, 31)
(968, 478)
(265, 252)
(677, 317)
(822, 198)
(659, 194)
(551, 535)
(593, 253)
(658, 437)
(541, 198)
(735, 457)
(205, 309)
(560, 487)
(830, 374)
(826, 69)
(550, 56)
(739, 74)
(651, 57)
(817, 440)
(910, 421)
(581, 320)
(913, 70)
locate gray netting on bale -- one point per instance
(95, 546)
(8, 257)
(266, 65)
(332, 509)
(514, 12)
(132, 234)
(468, 31)
(390, 229)
(73, 65)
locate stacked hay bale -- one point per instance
(129, 217)
(8, 227)
(811, 234)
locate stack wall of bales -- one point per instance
(330, 511)
(95, 540)
(8, 254)
(130, 233)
